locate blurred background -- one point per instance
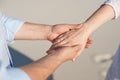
(93, 63)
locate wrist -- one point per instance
(89, 28)
(85, 28)
(48, 32)
(56, 57)
(41, 31)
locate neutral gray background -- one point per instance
(106, 39)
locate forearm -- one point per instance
(101, 16)
(30, 31)
(42, 68)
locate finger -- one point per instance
(50, 51)
(89, 41)
(59, 39)
(61, 43)
(55, 49)
(87, 46)
(75, 27)
(52, 47)
(78, 53)
(68, 44)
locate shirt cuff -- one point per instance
(115, 4)
(13, 23)
(16, 74)
(11, 26)
(16, 30)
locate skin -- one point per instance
(79, 37)
(42, 68)
(61, 51)
(31, 31)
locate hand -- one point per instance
(65, 53)
(59, 29)
(74, 37)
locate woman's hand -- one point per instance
(58, 29)
(74, 37)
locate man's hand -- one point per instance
(65, 53)
(44, 67)
(59, 29)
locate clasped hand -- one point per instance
(72, 37)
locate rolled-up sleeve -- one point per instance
(11, 25)
(116, 6)
(12, 74)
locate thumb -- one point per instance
(53, 37)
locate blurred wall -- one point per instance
(106, 39)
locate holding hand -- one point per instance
(74, 37)
(59, 29)
(65, 53)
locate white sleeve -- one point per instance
(116, 6)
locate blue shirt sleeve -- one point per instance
(11, 25)
(12, 74)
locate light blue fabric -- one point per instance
(8, 28)
(114, 71)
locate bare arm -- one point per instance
(74, 37)
(44, 67)
(101, 16)
(31, 31)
